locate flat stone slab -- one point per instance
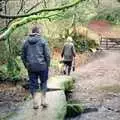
(56, 100)
(55, 110)
(61, 82)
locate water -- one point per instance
(76, 118)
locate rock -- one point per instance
(56, 100)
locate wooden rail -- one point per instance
(110, 43)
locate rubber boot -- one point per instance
(35, 102)
(43, 100)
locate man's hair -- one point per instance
(35, 30)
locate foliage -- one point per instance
(10, 71)
(74, 109)
(87, 10)
(84, 12)
(16, 40)
(109, 14)
(82, 43)
(10, 64)
(55, 32)
(3, 53)
(3, 73)
(13, 70)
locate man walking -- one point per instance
(68, 54)
(36, 59)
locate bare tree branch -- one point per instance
(34, 6)
(32, 16)
(96, 4)
(40, 11)
(19, 23)
(45, 3)
(21, 6)
(10, 21)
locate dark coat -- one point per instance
(35, 53)
(68, 51)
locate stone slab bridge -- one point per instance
(56, 100)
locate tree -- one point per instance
(32, 16)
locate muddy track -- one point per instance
(98, 85)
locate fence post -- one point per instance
(1, 6)
(106, 43)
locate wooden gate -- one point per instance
(110, 43)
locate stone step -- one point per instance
(56, 100)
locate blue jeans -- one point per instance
(33, 79)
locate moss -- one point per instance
(69, 85)
(74, 109)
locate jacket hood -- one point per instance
(33, 38)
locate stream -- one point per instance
(98, 85)
(110, 110)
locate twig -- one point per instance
(40, 11)
(22, 22)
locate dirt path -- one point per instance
(98, 85)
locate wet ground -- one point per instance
(98, 86)
(10, 98)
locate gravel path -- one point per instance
(98, 85)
